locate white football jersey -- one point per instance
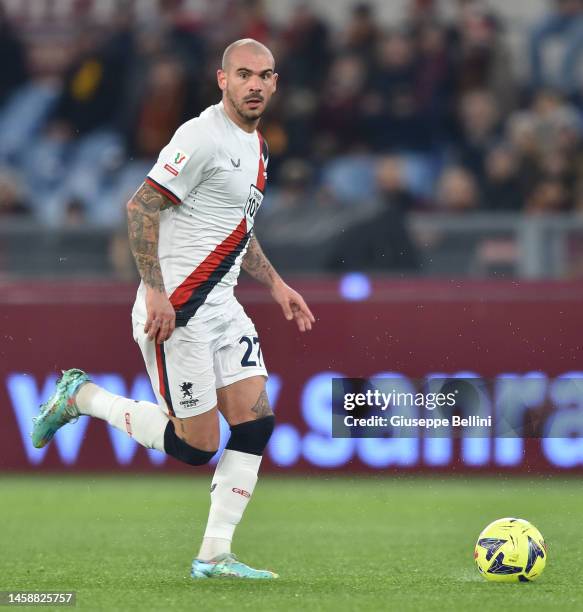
(214, 172)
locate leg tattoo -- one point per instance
(262, 407)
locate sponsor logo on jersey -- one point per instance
(170, 169)
(241, 492)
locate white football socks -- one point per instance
(143, 421)
(232, 486)
(235, 475)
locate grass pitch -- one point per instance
(339, 544)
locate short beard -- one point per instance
(247, 116)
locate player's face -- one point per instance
(248, 82)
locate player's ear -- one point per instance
(275, 77)
(222, 79)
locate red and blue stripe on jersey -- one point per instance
(191, 294)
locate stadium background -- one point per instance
(425, 186)
(425, 195)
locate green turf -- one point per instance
(339, 544)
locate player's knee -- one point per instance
(181, 450)
(251, 436)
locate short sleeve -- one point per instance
(182, 163)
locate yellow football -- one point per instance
(510, 550)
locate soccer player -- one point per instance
(191, 230)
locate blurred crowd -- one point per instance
(429, 114)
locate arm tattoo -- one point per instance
(143, 229)
(257, 265)
(262, 407)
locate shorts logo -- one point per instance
(186, 389)
(213, 486)
(188, 401)
(241, 492)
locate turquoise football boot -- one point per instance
(59, 409)
(227, 566)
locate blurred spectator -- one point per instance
(13, 204)
(394, 116)
(549, 196)
(305, 56)
(382, 243)
(457, 191)
(159, 106)
(293, 192)
(420, 12)
(547, 138)
(483, 61)
(439, 98)
(564, 20)
(435, 80)
(556, 166)
(479, 130)
(75, 215)
(254, 22)
(94, 85)
(502, 188)
(300, 225)
(339, 112)
(557, 124)
(13, 70)
(362, 33)
(181, 34)
(521, 135)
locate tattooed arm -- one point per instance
(143, 228)
(256, 264)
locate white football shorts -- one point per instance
(200, 358)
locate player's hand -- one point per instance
(293, 305)
(161, 318)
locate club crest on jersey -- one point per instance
(252, 205)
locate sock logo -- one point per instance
(241, 492)
(128, 423)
